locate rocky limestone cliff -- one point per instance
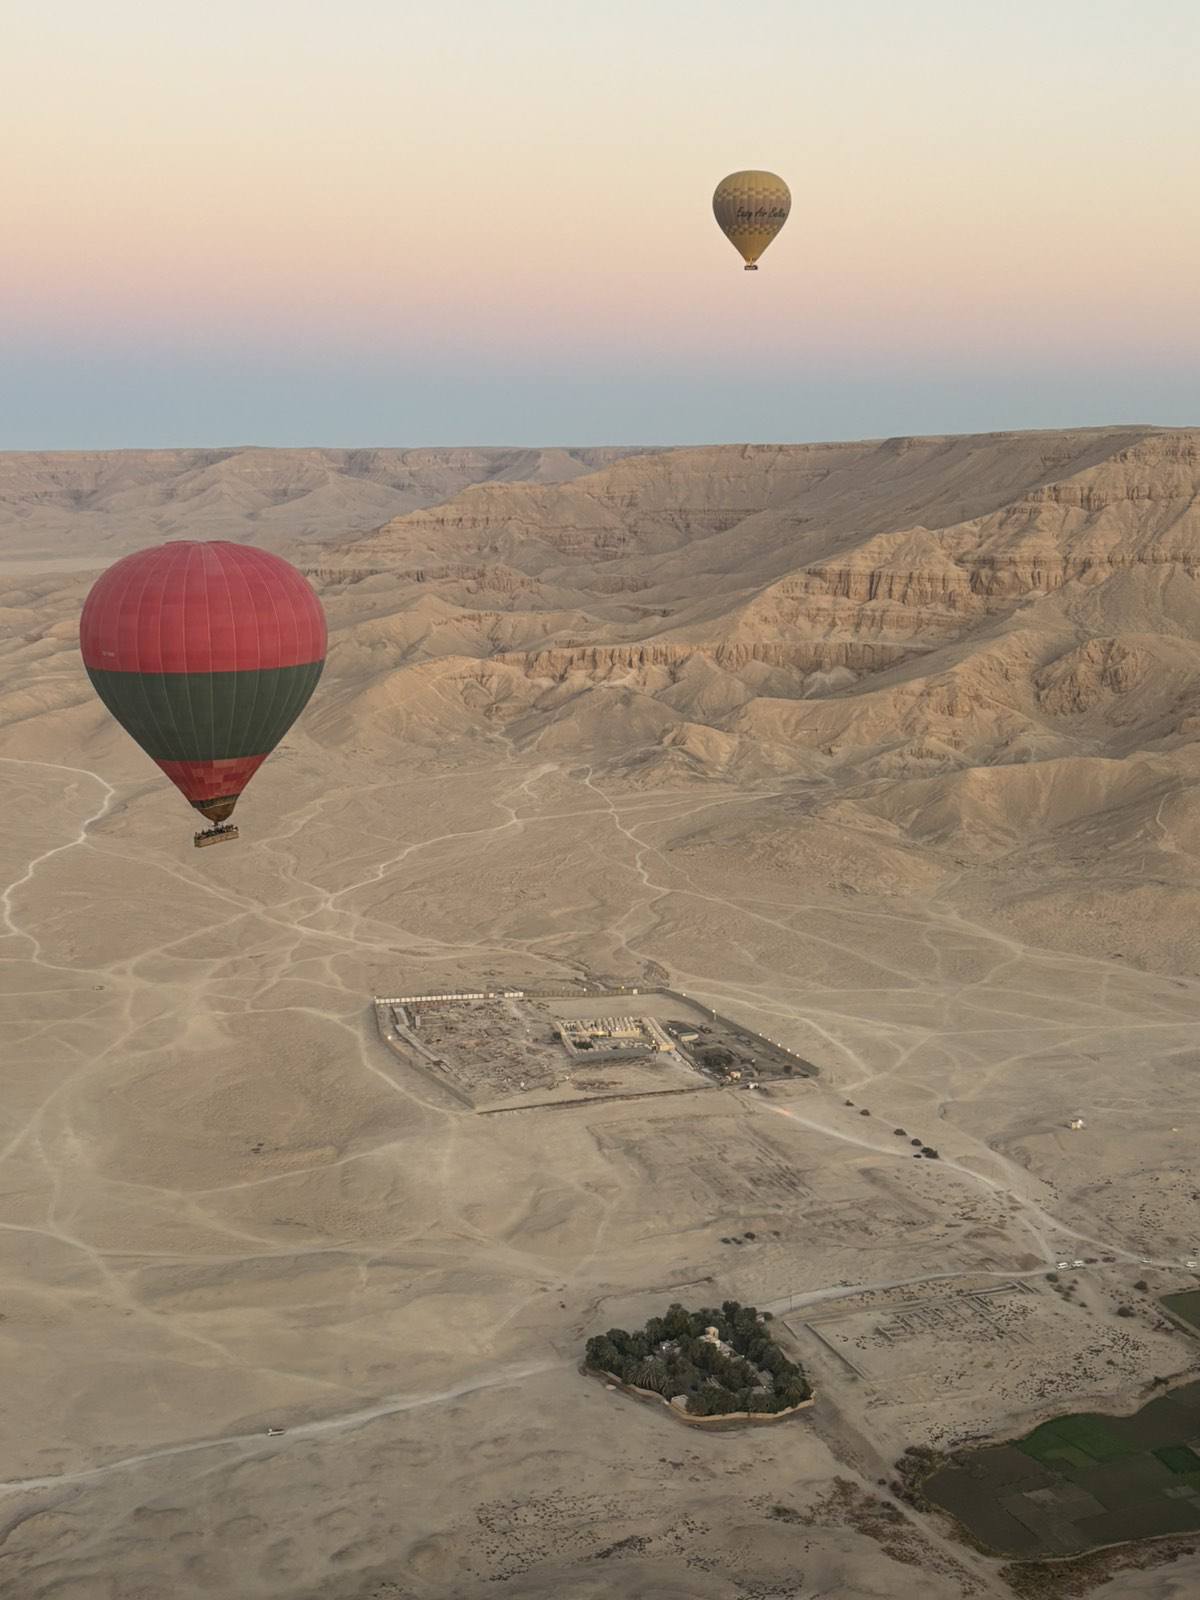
(915, 600)
(804, 657)
(773, 579)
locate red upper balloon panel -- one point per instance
(192, 607)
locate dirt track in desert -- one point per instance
(915, 801)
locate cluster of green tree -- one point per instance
(671, 1356)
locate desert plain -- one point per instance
(884, 750)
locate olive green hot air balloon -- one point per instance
(750, 208)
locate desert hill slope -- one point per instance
(909, 606)
(54, 504)
(886, 749)
(894, 606)
(927, 627)
(997, 594)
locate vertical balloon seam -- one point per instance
(276, 684)
(229, 573)
(298, 694)
(136, 650)
(187, 648)
(308, 645)
(236, 681)
(251, 602)
(193, 701)
(207, 588)
(232, 709)
(285, 690)
(207, 707)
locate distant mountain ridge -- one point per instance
(980, 649)
(114, 501)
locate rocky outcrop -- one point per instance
(968, 584)
(494, 578)
(1078, 680)
(812, 656)
(909, 600)
(652, 505)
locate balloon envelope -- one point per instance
(750, 208)
(205, 653)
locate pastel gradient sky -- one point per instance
(488, 221)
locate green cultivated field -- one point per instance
(1185, 1306)
(1082, 1481)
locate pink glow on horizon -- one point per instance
(528, 188)
(916, 275)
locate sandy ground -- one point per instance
(226, 1205)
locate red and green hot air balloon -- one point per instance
(205, 653)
